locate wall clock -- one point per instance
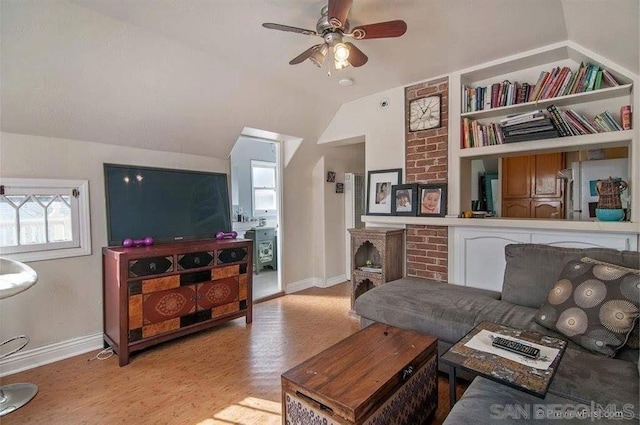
(425, 113)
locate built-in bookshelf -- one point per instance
(529, 67)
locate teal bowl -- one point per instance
(610, 214)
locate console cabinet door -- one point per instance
(218, 292)
(162, 310)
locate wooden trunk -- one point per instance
(380, 375)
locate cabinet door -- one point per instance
(547, 209)
(517, 209)
(162, 310)
(516, 177)
(546, 183)
(218, 292)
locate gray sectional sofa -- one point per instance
(608, 386)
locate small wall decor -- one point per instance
(433, 200)
(331, 176)
(339, 187)
(404, 199)
(379, 190)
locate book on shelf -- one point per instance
(606, 75)
(559, 122)
(598, 82)
(529, 130)
(522, 118)
(528, 124)
(625, 117)
(548, 134)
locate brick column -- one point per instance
(426, 162)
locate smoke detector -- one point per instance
(346, 82)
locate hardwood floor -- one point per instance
(226, 375)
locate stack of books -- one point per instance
(532, 125)
(554, 83)
(571, 123)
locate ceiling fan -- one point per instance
(333, 26)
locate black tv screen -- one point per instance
(168, 205)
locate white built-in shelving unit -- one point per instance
(526, 67)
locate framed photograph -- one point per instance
(404, 199)
(339, 187)
(433, 200)
(331, 176)
(379, 190)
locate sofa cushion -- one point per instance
(595, 305)
(441, 309)
(585, 377)
(533, 269)
(488, 402)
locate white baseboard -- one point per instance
(303, 284)
(314, 282)
(28, 359)
(335, 280)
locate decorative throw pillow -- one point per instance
(594, 304)
(634, 337)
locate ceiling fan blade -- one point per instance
(304, 55)
(380, 30)
(356, 57)
(338, 11)
(287, 28)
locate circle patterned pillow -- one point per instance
(594, 304)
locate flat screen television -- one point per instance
(168, 205)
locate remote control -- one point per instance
(516, 347)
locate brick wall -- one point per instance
(426, 162)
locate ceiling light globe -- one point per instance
(340, 52)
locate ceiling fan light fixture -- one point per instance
(341, 64)
(340, 52)
(318, 56)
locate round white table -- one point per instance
(15, 277)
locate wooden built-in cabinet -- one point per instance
(157, 293)
(531, 187)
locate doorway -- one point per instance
(256, 187)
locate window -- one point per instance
(264, 188)
(43, 219)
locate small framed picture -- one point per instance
(379, 190)
(331, 176)
(404, 199)
(339, 187)
(433, 200)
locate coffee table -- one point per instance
(499, 368)
(379, 375)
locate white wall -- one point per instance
(66, 303)
(381, 128)
(341, 160)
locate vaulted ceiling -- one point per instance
(188, 76)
